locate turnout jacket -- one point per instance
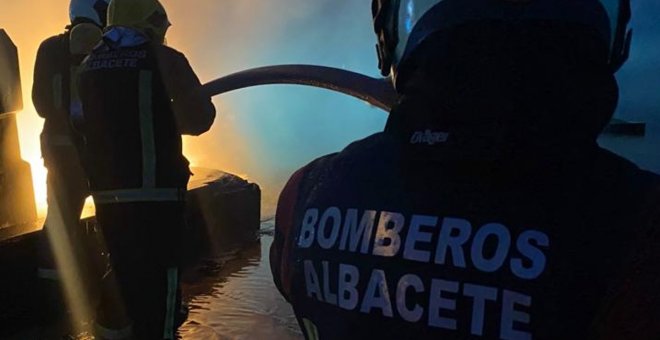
(447, 232)
(138, 99)
(52, 92)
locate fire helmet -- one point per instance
(93, 11)
(403, 25)
(147, 16)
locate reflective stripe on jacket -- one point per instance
(54, 91)
(132, 140)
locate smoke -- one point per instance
(266, 133)
(269, 132)
(262, 133)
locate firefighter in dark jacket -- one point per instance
(61, 251)
(139, 96)
(485, 209)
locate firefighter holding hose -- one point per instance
(138, 97)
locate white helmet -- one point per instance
(94, 11)
(402, 25)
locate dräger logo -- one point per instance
(429, 137)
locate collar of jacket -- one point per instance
(118, 37)
(427, 132)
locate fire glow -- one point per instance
(266, 133)
(52, 18)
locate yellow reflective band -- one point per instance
(147, 131)
(139, 195)
(172, 284)
(310, 328)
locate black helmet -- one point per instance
(402, 25)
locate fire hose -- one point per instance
(375, 91)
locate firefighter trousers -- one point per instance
(141, 297)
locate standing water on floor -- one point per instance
(233, 297)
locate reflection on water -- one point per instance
(233, 297)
